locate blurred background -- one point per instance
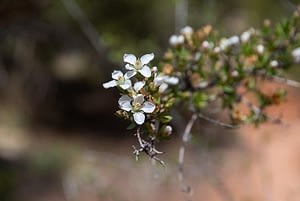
(59, 138)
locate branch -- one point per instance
(185, 138)
(258, 111)
(187, 130)
(147, 147)
(285, 81)
(89, 30)
(217, 122)
(288, 5)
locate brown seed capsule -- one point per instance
(168, 69)
(207, 29)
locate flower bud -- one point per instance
(274, 63)
(167, 130)
(176, 40)
(154, 69)
(296, 55)
(187, 31)
(260, 49)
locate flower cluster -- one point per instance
(201, 70)
(226, 72)
(142, 89)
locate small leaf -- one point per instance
(131, 126)
(200, 100)
(228, 89)
(166, 118)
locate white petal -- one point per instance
(274, 63)
(260, 48)
(148, 107)
(162, 87)
(245, 36)
(158, 80)
(168, 130)
(139, 118)
(187, 30)
(126, 106)
(126, 85)
(138, 99)
(234, 40)
(130, 74)
(296, 54)
(129, 67)
(138, 86)
(116, 74)
(124, 99)
(180, 39)
(145, 59)
(173, 40)
(145, 71)
(171, 80)
(224, 43)
(129, 58)
(110, 84)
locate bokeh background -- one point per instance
(59, 139)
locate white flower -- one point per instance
(226, 42)
(245, 36)
(235, 73)
(296, 54)
(274, 63)
(118, 80)
(260, 48)
(133, 91)
(207, 45)
(187, 31)
(217, 50)
(137, 105)
(162, 81)
(135, 65)
(233, 40)
(175, 40)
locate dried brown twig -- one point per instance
(148, 147)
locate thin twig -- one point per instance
(185, 138)
(217, 122)
(258, 111)
(148, 148)
(187, 130)
(90, 32)
(288, 5)
(285, 81)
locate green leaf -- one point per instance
(166, 118)
(200, 100)
(131, 126)
(228, 89)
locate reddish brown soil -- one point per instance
(262, 164)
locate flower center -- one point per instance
(138, 64)
(136, 106)
(131, 92)
(120, 80)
